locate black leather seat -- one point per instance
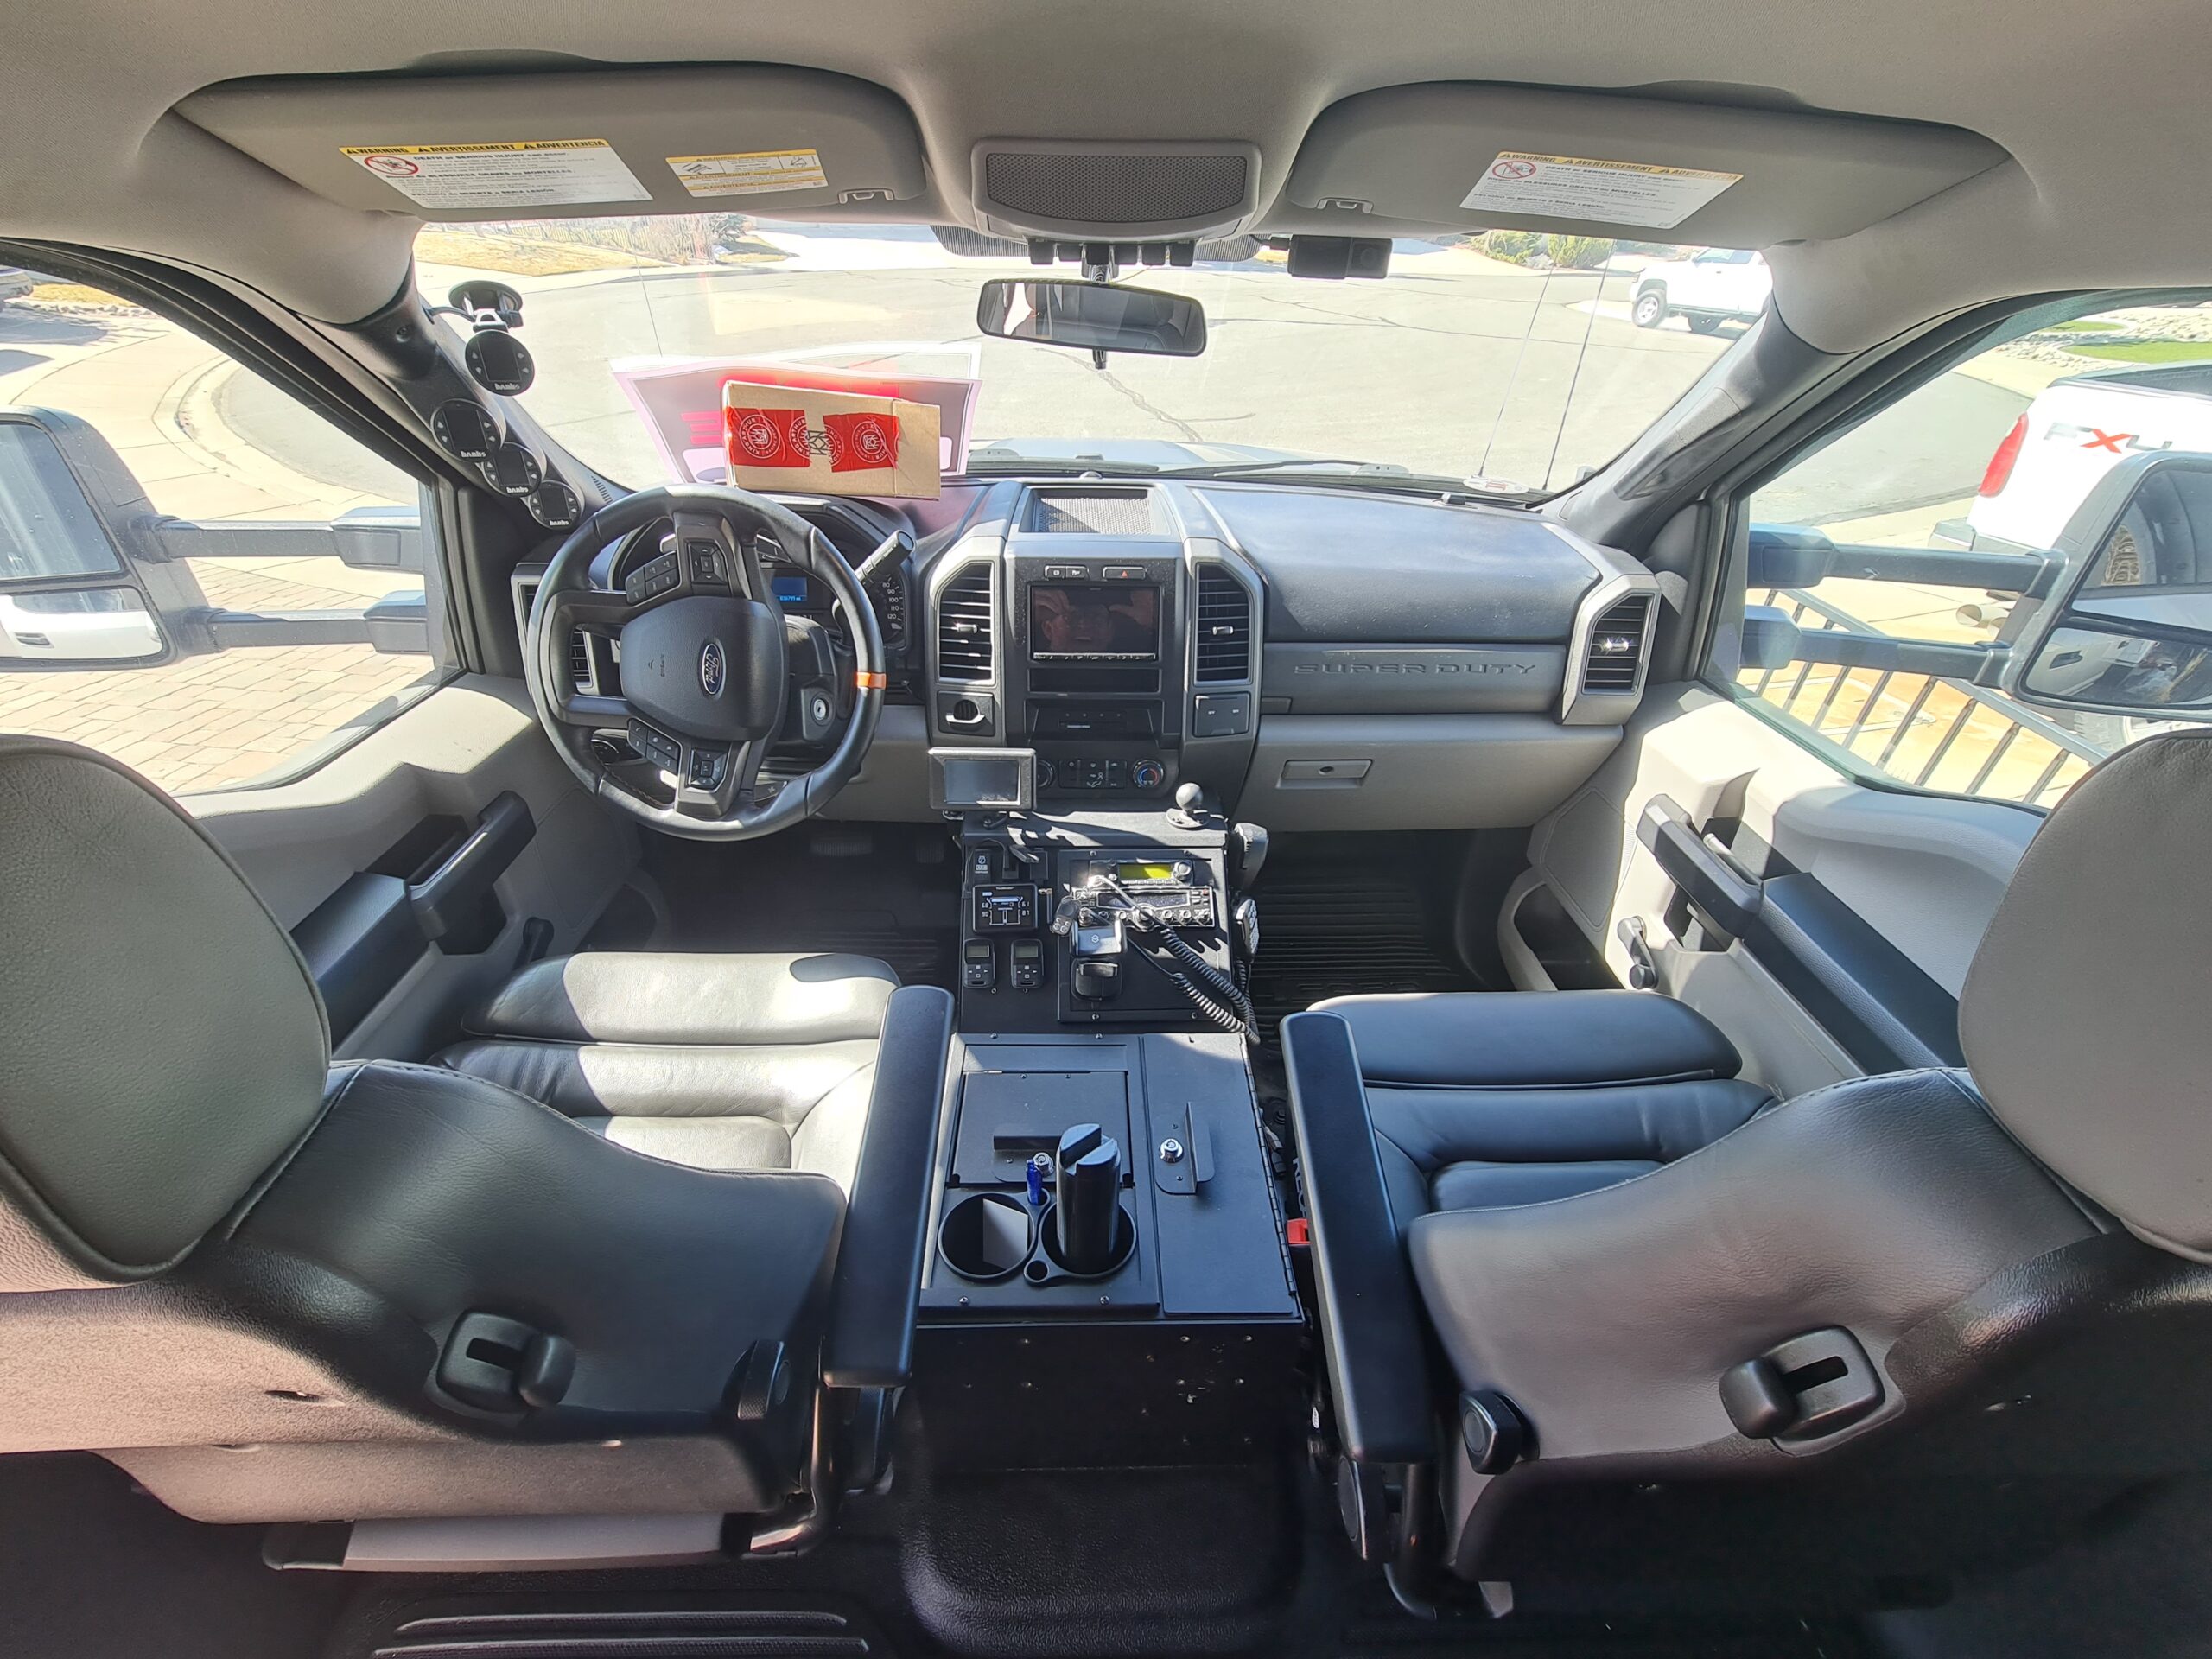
(722, 1062)
(1484, 1100)
(262, 1285)
(1900, 1326)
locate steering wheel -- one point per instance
(711, 666)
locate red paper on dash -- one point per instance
(784, 437)
(680, 403)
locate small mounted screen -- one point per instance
(1093, 621)
(983, 780)
(790, 590)
(1146, 872)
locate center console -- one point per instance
(1108, 1279)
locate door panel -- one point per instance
(402, 797)
(1862, 944)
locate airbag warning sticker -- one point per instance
(553, 173)
(1611, 192)
(750, 173)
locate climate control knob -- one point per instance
(1044, 773)
(1147, 775)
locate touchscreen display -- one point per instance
(1093, 619)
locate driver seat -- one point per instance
(760, 1062)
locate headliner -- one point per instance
(2102, 110)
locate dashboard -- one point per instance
(1316, 658)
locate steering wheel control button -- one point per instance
(706, 564)
(707, 766)
(664, 752)
(652, 579)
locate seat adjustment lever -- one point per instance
(1802, 1389)
(496, 1364)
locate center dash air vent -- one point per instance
(1616, 655)
(963, 626)
(1225, 626)
(580, 664)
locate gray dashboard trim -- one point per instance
(1324, 679)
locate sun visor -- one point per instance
(1485, 157)
(739, 138)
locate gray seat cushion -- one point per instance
(721, 1062)
(1492, 1099)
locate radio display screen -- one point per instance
(1146, 872)
(1090, 621)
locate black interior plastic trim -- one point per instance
(879, 1273)
(1371, 1310)
(451, 896)
(358, 944)
(1887, 1013)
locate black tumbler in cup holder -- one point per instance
(987, 1236)
(1087, 1201)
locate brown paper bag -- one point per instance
(824, 442)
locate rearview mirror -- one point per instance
(1093, 317)
(68, 597)
(2129, 630)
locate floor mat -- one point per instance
(1337, 919)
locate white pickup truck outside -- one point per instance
(1719, 285)
(2075, 432)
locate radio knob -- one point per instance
(1182, 869)
(1147, 774)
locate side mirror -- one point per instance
(2128, 629)
(71, 592)
(1096, 317)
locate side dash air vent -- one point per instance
(1224, 626)
(1615, 654)
(963, 626)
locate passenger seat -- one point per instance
(1489, 1099)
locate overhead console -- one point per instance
(688, 139)
(1403, 160)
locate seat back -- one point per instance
(264, 1288)
(2017, 1258)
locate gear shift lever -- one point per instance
(1190, 802)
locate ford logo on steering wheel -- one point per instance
(713, 670)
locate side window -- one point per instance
(197, 575)
(1991, 460)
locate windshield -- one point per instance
(1515, 361)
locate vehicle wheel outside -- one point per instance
(1650, 308)
(1703, 325)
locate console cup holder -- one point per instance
(987, 1236)
(1046, 1264)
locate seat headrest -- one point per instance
(2085, 1018)
(161, 1044)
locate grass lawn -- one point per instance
(2083, 326)
(2150, 351)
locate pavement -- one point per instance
(157, 395)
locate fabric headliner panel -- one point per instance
(2101, 113)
